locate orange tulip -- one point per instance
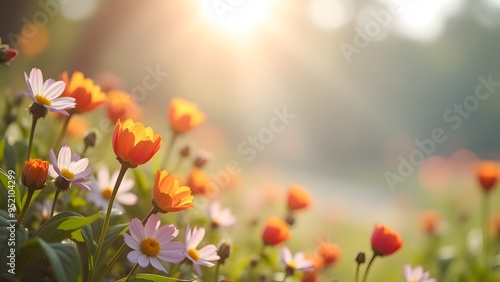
(487, 175)
(184, 116)
(199, 182)
(276, 231)
(35, 173)
(298, 198)
(429, 222)
(329, 252)
(133, 143)
(122, 106)
(88, 96)
(385, 241)
(168, 196)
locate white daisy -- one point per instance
(67, 169)
(151, 244)
(203, 255)
(417, 274)
(296, 262)
(219, 216)
(102, 188)
(47, 93)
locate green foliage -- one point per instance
(62, 225)
(143, 277)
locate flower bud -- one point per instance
(360, 258)
(7, 54)
(35, 173)
(185, 151)
(224, 251)
(90, 139)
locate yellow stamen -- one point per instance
(193, 253)
(292, 265)
(67, 174)
(106, 193)
(150, 247)
(42, 100)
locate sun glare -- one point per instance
(238, 17)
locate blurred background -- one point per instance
(363, 80)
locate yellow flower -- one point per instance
(168, 196)
(184, 116)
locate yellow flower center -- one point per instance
(150, 247)
(42, 100)
(106, 193)
(292, 265)
(67, 174)
(193, 253)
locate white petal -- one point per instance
(134, 256)
(36, 80)
(136, 229)
(151, 225)
(157, 264)
(103, 178)
(131, 242)
(207, 250)
(197, 236)
(128, 199)
(78, 166)
(166, 234)
(64, 158)
(143, 261)
(55, 90)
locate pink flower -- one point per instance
(417, 274)
(102, 188)
(151, 244)
(202, 256)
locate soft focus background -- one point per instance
(355, 115)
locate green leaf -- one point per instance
(62, 256)
(144, 277)
(10, 156)
(113, 233)
(86, 235)
(8, 181)
(25, 197)
(20, 236)
(62, 225)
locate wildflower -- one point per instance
(45, 95)
(429, 222)
(294, 263)
(329, 252)
(168, 196)
(199, 182)
(152, 243)
(385, 241)
(87, 95)
(298, 198)
(184, 116)
(7, 54)
(202, 256)
(219, 216)
(487, 174)
(67, 169)
(417, 274)
(103, 188)
(133, 143)
(275, 232)
(35, 173)
(122, 106)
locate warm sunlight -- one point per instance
(237, 16)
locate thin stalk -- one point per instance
(105, 224)
(356, 277)
(132, 271)
(216, 276)
(25, 208)
(368, 267)
(486, 229)
(32, 133)
(168, 151)
(54, 203)
(62, 133)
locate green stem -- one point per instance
(32, 133)
(356, 277)
(122, 248)
(486, 229)
(175, 269)
(54, 203)
(62, 133)
(105, 224)
(170, 146)
(132, 272)
(368, 267)
(216, 276)
(25, 207)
